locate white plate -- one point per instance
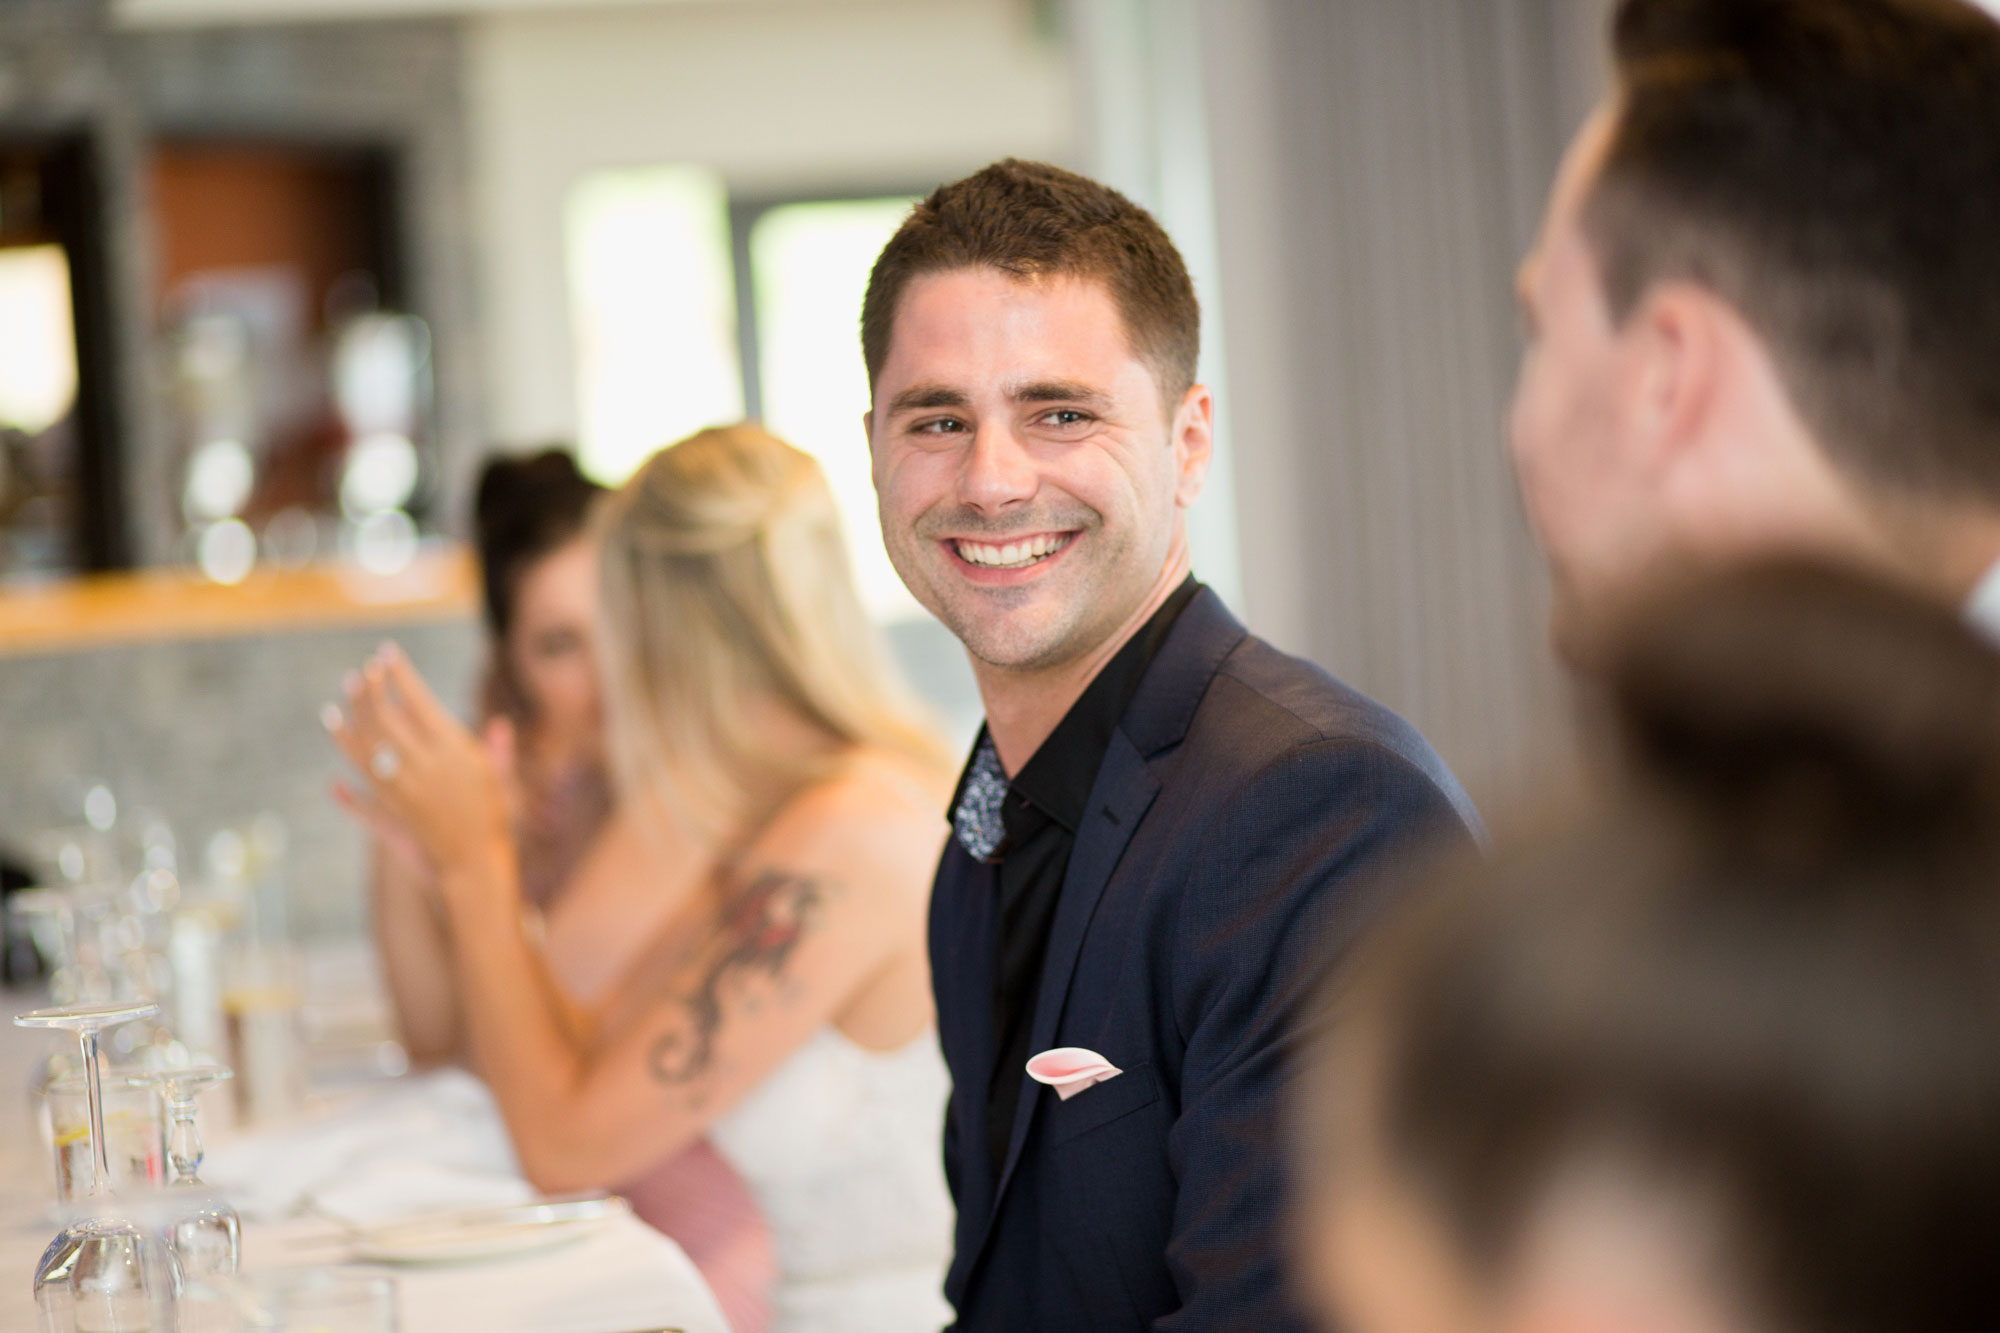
(452, 1245)
(493, 1233)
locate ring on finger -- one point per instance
(384, 762)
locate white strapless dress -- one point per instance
(843, 1148)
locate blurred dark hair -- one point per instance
(525, 508)
(1831, 169)
(1772, 975)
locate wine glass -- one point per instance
(208, 1236)
(99, 1273)
(50, 914)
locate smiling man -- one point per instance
(1166, 826)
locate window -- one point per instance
(809, 265)
(692, 312)
(653, 302)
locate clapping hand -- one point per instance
(436, 794)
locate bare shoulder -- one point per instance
(876, 824)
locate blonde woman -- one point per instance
(589, 871)
(794, 803)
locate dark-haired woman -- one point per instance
(538, 573)
(588, 874)
(1723, 1060)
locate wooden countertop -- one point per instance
(100, 610)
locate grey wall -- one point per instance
(210, 734)
(1380, 167)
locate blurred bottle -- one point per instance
(261, 1008)
(194, 955)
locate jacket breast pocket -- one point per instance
(1114, 1099)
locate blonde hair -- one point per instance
(726, 589)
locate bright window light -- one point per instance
(810, 263)
(653, 303)
(37, 338)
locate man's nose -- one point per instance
(998, 471)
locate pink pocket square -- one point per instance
(1071, 1069)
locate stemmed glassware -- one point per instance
(50, 914)
(208, 1236)
(100, 1274)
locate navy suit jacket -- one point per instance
(1236, 838)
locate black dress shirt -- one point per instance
(1040, 812)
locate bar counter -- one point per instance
(106, 609)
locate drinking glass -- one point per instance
(100, 1274)
(290, 1300)
(318, 1300)
(261, 1008)
(50, 917)
(206, 1234)
(134, 1141)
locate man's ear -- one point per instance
(1677, 346)
(1194, 443)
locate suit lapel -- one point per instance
(1119, 799)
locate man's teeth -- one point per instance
(1015, 554)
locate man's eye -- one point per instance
(942, 426)
(1066, 416)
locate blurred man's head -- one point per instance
(1765, 307)
(1722, 1060)
(1031, 339)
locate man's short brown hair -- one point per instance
(1831, 168)
(1032, 221)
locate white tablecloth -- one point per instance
(412, 1145)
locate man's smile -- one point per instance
(1014, 554)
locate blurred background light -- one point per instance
(227, 551)
(220, 477)
(100, 807)
(380, 473)
(377, 372)
(37, 340)
(213, 346)
(291, 538)
(385, 542)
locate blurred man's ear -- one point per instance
(1194, 443)
(1678, 345)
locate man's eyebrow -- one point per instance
(1060, 391)
(919, 397)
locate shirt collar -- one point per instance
(1982, 609)
(1058, 778)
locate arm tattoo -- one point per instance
(760, 926)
